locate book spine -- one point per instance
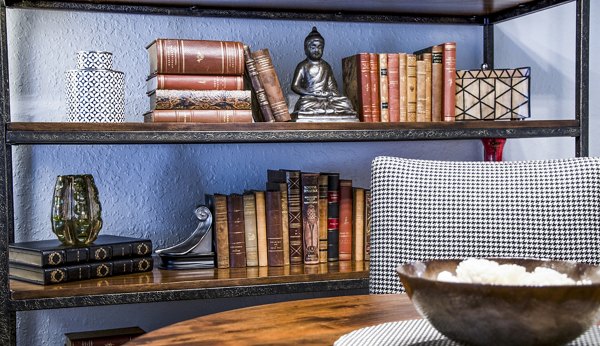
(357, 79)
(345, 225)
(199, 116)
(53, 258)
(236, 225)
(333, 187)
(449, 110)
(428, 85)
(218, 205)
(323, 178)
(177, 56)
(257, 86)
(261, 228)
(285, 226)
(358, 223)
(250, 230)
(367, 240)
(411, 87)
(270, 81)
(421, 93)
(383, 88)
(374, 73)
(274, 228)
(393, 85)
(402, 86)
(437, 82)
(194, 82)
(310, 216)
(201, 99)
(294, 216)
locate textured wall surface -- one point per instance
(151, 190)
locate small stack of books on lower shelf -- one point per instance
(197, 81)
(49, 262)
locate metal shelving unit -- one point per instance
(485, 13)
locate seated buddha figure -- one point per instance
(314, 81)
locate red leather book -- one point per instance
(178, 56)
(270, 82)
(201, 99)
(236, 226)
(449, 111)
(357, 83)
(199, 116)
(310, 216)
(274, 228)
(194, 82)
(374, 72)
(393, 87)
(345, 220)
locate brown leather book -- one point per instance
(217, 204)
(367, 239)
(282, 187)
(449, 111)
(270, 82)
(437, 79)
(421, 91)
(294, 207)
(384, 115)
(250, 229)
(402, 86)
(374, 71)
(345, 220)
(261, 228)
(201, 99)
(274, 228)
(393, 62)
(310, 216)
(426, 57)
(199, 116)
(257, 86)
(411, 87)
(194, 82)
(323, 180)
(358, 223)
(236, 226)
(357, 83)
(178, 56)
(333, 212)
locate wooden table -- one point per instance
(319, 321)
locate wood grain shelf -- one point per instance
(165, 285)
(142, 133)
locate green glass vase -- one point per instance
(76, 210)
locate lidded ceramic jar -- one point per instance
(95, 92)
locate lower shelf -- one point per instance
(169, 285)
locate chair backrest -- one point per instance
(438, 210)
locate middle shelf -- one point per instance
(147, 133)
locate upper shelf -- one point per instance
(432, 11)
(140, 133)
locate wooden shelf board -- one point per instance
(140, 133)
(193, 279)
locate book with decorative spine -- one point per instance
(437, 79)
(323, 181)
(193, 82)
(374, 72)
(310, 216)
(384, 115)
(402, 87)
(367, 218)
(199, 116)
(261, 228)
(270, 82)
(202, 57)
(257, 86)
(53, 253)
(236, 226)
(250, 229)
(358, 223)
(394, 87)
(274, 228)
(449, 110)
(411, 87)
(357, 83)
(201, 99)
(345, 225)
(217, 204)
(421, 92)
(333, 209)
(283, 189)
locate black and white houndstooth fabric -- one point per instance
(439, 210)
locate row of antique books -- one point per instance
(51, 262)
(212, 82)
(300, 218)
(400, 87)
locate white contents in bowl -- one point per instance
(484, 271)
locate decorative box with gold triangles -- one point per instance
(500, 94)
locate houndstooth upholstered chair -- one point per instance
(438, 210)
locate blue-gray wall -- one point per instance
(150, 191)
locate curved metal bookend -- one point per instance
(196, 250)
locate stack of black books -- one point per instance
(49, 262)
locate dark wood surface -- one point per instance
(318, 321)
(169, 280)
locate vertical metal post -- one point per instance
(7, 314)
(488, 43)
(582, 70)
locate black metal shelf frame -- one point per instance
(9, 307)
